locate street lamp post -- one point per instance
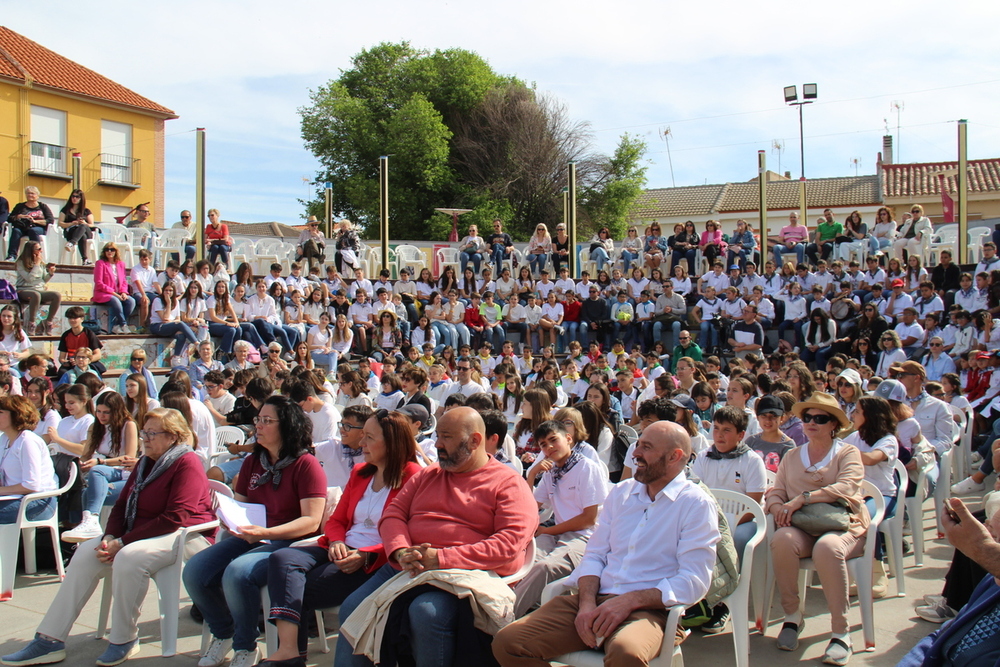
(809, 93)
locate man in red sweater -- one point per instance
(468, 512)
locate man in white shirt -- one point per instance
(360, 283)
(990, 261)
(653, 548)
(583, 287)
(544, 286)
(464, 384)
(342, 451)
(911, 334)
(564, 283)
(968, 296)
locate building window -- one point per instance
(49, 154)
(117, 165)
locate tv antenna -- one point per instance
(856, 163)
(898, 106)
(778, 146)
(666, 134)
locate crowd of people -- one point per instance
(584, 453)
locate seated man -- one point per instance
(423, 529)
(654, 547)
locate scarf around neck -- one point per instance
(272, 473)
(145, 472)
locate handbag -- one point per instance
(820, 518)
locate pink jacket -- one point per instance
(715, 237)
(108, 280)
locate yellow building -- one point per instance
(52, 109)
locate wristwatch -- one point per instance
(805, 497)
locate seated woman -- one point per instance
(350, 549)
(167, 493)
(225, 580)
(108, 457)
(824, 470)
(25, 464)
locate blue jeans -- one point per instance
(248, 332)
(464, 335)
(434, 613)
(498, 255)
(119, 311)
(658, 328)
(179, 330)
(224, 580)
(321, 359)
(43, 508)
(33, 234)
(537, 263)
(269, 332)
(819, 356)
(572, 332)
(798, 248)
(600, 255)
(443, 332)
(219, 251)
(890, 511)
(742, 534)
(475, 257)
(628, 258)
(231, 468)
(227, 333)
(678, 255)
(789, 324)
(104, 485)
(735, 255)
(708, 333)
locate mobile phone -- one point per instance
(953, 515)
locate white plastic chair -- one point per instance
(169, 241)
(915, 512)
(117, 234)
(168, 588)
(860, 568)
(515, 255)
(243, 251)
(669, 656)
(268, 251)
(946, 238)
(137, 240)
(412, 257)
(977, 237)
(225, 435)
(942, 491)
(25, 529)
(446, 257)
(735, 504)
(586, 263)
(892, 528)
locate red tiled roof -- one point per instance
(738, 197)
(917, 180)
(24, 60)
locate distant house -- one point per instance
(906, 184)
(52, 107)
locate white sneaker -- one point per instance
(245, 658)
(125, 329)
(88, 529)
(216, 653)
(116, 329)
(966, 486)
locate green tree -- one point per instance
(610, 200)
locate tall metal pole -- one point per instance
(802, 167)
(77, 169)
(199, 190)
(762, 203)
(329, 210)
(963, 195)
(383, 207)
(571, 205)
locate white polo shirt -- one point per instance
(585, 485)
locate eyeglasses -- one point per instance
(185, 217)
(817, 419)
(344, 426)
(149, 435)
(937, 345)
(211, 387)
(273, 351)
(138, 358)
(266, 421)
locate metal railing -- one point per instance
(119, 170)
(48, 159)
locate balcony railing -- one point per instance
(49, 160)
(119, 170)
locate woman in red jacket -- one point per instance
(350, 549)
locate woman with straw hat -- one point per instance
(824, 470)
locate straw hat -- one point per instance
(824, 402)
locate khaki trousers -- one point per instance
(130, 572)
(549, 631)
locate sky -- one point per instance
(711, 73)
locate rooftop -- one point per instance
(703, 200)
(921, 179)
(25, 61)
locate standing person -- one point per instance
(218, 239)
(225, 579)
(32, 282)
(792, 238)
(30, 218)
(111, 289)
(167, 492)
(539, 247)
(501, 246)
(824, 470)
(77, 223)
(471, 248)
(350, 549)
(912, 233)
(653, 547)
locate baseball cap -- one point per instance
(769, 405)
(415, 412)
(851, 376)
(734, 266)
(982, 355)
(908, 367)
(684, 401)
(891, 390)
(897, 283)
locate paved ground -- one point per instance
(897, 627)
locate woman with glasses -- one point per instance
(539, 247)
(892, 353)
(560, 249)
(217, 236)
(871, 325)
(32, 281)
(824, 470)
(655, 247)
(300, 579)
(225, 579)
(166, 492)
(602, 246)
(471, 248)
(77, 223)
(913, 233)
(742, 245)
(109, 455)
(631, 248)
(30, 218)
(111, 289)
(884, 232)
(849, 390)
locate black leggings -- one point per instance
(78, 235)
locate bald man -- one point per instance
(469, 511)
(654, 547)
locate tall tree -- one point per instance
(609, 200)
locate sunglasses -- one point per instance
(818, 419)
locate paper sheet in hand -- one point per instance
(233, 514)
(743, 337)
